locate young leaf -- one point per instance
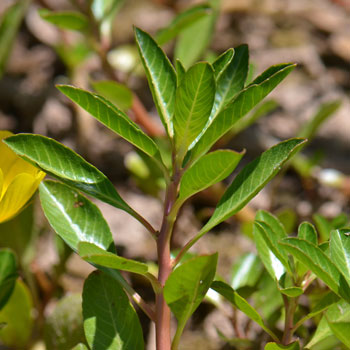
(340, 251)
(274, 223)
(194, 101)
(8, 275)
(95, 255)
(117, 93)
(110, 321)
(210, 169)
(65, 19)
(221, 63)
(180, 70)
(308, 232)
(74, 218)
(319, 263)
(18, 317)
(240, 303)
(291, 292)
(240, 106)
(161, 77)
(64, 164)
(251, 180)
(113, 118)
(182, 21)
(187, 286)
(276, 346)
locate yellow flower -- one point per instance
(18, 180)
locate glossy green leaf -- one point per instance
(308, 232)
(96, 255)
(113, 118)
(240, 303)
(64, 164)
(251, 180)
(8, 275)
(80, 347)
(340, 251)
(221, 63)
(74, 218)
(246, 271)
(180, 70)
(231, 80)
(110, 321)
(66, 19)
(182, 21)
(117, 93)
(161, 77)
(64, 325)
(189, 50)
(18, 317)
(210, 169)
(319, 263)
(194, 101)
(240, 106)
(271, 239)
(187, 286)
(10, 22)
(277, 346)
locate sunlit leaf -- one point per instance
(308, 232)
(220, 64)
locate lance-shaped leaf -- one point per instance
(113, 118)
(96, 255)
(240, 106)
(187, 285)
(240, 303)
(340, 251)
(65, 19)
(64, 164)
(276, 346)
(8, 275)
(220, 64)
(110, 321)
(161, 77)
(182, 21)
(308, 232)
(271, 220)
(319, 263)
(194, 101)
(209, 170)
(74, 218)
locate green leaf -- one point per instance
(221, 63)
(80, 346)
(194, 101)
(324, 227)
(341, 330)
(161, 77)
(276, 346)
(246, 271)
(319, 263)
(187, 286)
(113, 118)
(251, 180)
(322, 332)
(340, 251)
(240, 303)
(110, 321)
(291, 292)
(231, 80)
(10, 22)
(64, 164)
(240, 106)
(117, 93)
(189, 50)
(274, 223)
(180, 70)
(210, 169)
(308, 232)
(96, 255)
(74, 218)
(64, 325)
(66, 19)
(182, 21)
(17, 315)
(8, 275)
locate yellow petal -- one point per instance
(1, 183)
(7, 156)
(18, 193)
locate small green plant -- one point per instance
(196, 107)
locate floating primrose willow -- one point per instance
(197, 107)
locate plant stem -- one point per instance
(290, 305)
